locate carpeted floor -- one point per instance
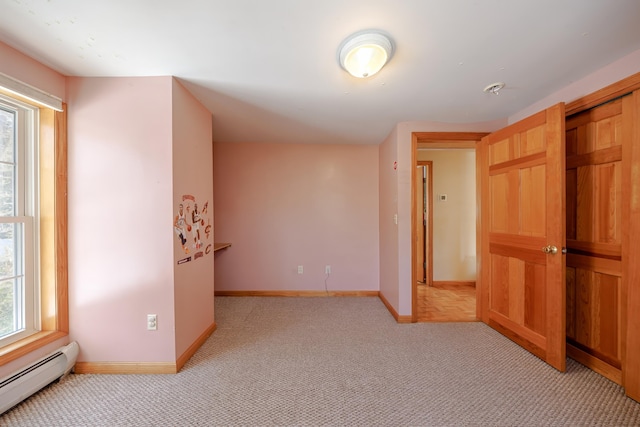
(338, 362)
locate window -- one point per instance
(33, 220)
(19, 214)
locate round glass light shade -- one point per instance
(364, 54)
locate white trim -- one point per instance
(31, 93)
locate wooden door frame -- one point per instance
(428, 279)
(450, 140)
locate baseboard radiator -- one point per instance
(22, 384)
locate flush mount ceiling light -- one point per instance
(494, 88)
(365, 53)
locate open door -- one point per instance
(424, 222)
(420, 226)
(521, 170)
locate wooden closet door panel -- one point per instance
(570, 278)
(571, 200)
(594, 232)
(597, 323)
(608, 215)
(631, 237)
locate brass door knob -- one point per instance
(550, 250)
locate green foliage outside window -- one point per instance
(7, 235)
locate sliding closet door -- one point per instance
(522, 237)
(630, 245)
(594, 146)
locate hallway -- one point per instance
(446, 302)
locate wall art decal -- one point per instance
(181, 227)
(193, 226)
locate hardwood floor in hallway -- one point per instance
(445, 302)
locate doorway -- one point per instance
(450, 294)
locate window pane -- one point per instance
(11, 280)
(7, 189)
(7, 162)
(7, 135)
(11, 311)
(7, 250)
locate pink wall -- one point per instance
(27, 70)
(388, 184)
(21, 67)
(192, 176)
(284, 205)
(120, 201)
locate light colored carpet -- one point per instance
(338, 362)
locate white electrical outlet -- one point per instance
(152, 322)
(327, 269)
(300, 269)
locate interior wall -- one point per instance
(285, 205)
(120, 200)
(388, 194)
(192, 183)
(454, 220)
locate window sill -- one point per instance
(25, 346)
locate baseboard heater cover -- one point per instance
(22, 384)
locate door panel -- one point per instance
(595, 140)
(419, 226)
(424, 222)
(521, 211)
(631, 260)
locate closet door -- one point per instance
(630, 245)
(594, 147)
(522, 233)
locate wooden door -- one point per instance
(424, 222)
(522, 213)
(420, 266)
(428, 223)
(595, 304)
(631, 254)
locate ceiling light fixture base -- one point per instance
(364, 53)
(494, 88)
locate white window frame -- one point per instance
(26, 213)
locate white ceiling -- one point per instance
(267, 69)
